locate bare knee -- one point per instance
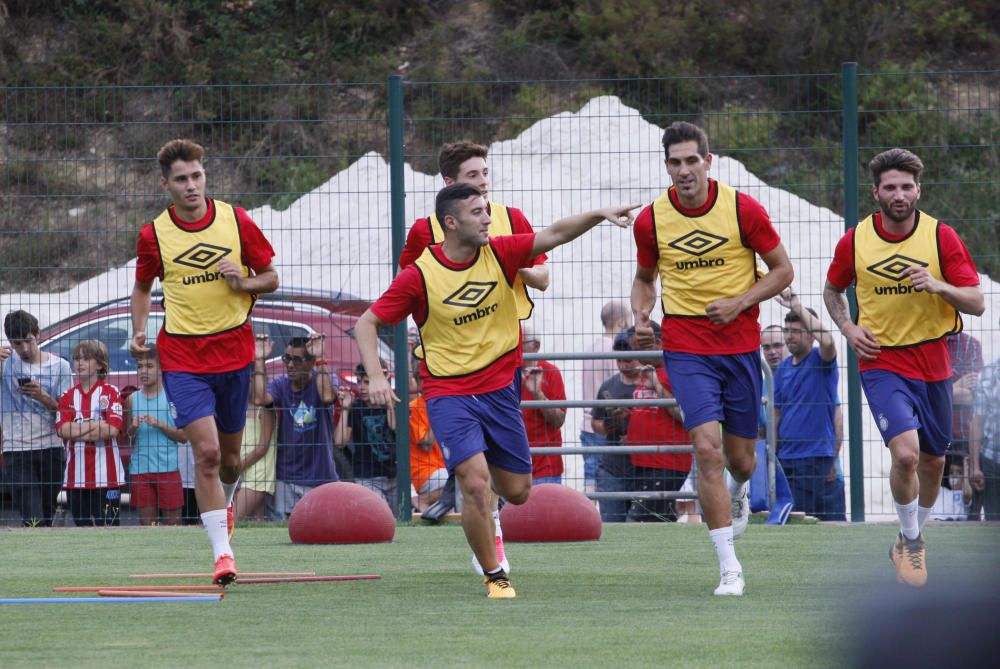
(710, 460)
(475, 489)
(906, 461)
(519, 495)
(208, 459)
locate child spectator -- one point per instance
(157, 493)
(90, 420)
(428, 473)
(257, 480)
(369, 433)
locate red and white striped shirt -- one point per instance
(92, 464)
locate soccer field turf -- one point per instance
(641, 596)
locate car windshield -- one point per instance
(116, 333)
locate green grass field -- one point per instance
(639, 597)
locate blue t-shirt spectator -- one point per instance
(154, 452)
(806, 395)
(305, 434)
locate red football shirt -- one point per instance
(926, 362)
(540, 432)
(213, 353)
(419, 237)
(406, 296)
(700, 335)
(92, 464)
(654, 426)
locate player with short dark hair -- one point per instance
(461, 294)
(212, 261)
(702, 238)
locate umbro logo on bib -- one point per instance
(471, 294)
(894, 266)
(202, 255)
(697, 243)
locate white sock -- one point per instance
(908, 525)
(218, 532)
(496, 522)
(723, 540)
(922, 513)
(229, 489)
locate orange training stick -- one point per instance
(153, 593)
(97, 588)
(266, 574)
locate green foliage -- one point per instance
(207, 41)
(288, 182)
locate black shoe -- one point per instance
(445, 503)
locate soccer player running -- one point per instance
(913, 277)
(702, 237)
(212, 261)
(465, 162)
(461, 293)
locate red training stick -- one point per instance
(308, 579)
(247, 573)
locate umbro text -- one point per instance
(700, 262)
(481, 312)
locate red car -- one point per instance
(282, 316)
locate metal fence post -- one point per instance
(849, 82)
(400, 349)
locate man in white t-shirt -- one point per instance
(31, 383)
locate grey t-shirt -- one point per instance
(28, 425)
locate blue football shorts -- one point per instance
(224, 395)
(900, 404)
(723, 388)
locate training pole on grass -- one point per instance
(178, 588)
(308, 579)
(107, 600)
(248, 573)
(155, 593)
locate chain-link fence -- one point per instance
(335, 174)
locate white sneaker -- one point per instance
(504, 564)
(741, 510)
(731, 584)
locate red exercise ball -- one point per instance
(341, 513)
(553, 512)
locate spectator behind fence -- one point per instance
(966, 356)
(654, 426)
(615, 472)
(303, 400)
(984, 442)
(155, 485)
(772, 345)
(90, 421)
(428, 474)
(369, 434)
(805, 390)
(31, 383)
(255, 496)
(615, 317)
(541, 380)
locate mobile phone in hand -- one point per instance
(23, 380)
